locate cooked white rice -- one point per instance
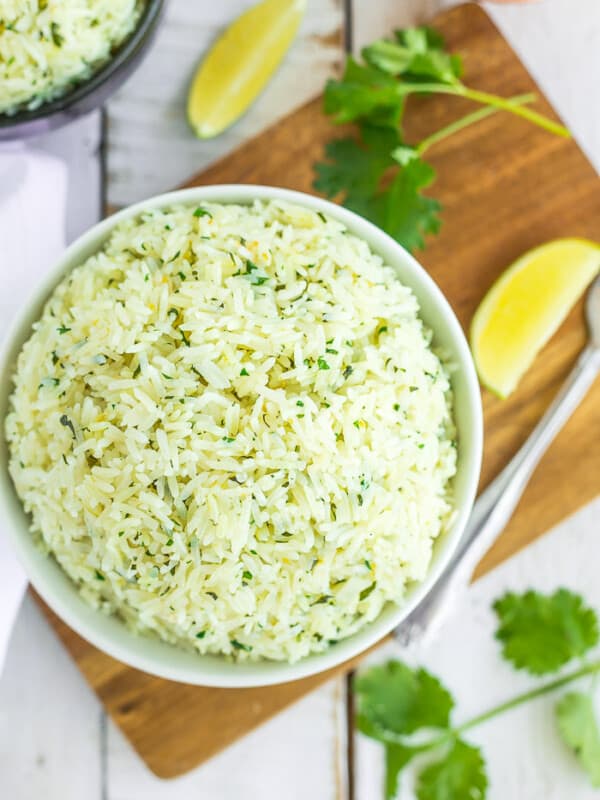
(48, 45)
(230, 429)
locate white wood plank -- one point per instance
(151, 147)
(371, 21)
(297, 755)
(559, 43)
(525, 757)
(49, 719)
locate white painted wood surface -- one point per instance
(151, 147)
(55, 742)
(526, 760)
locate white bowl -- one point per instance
(156, 657)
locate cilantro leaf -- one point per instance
(351, 168)
(364, 92)
(383, 179)
(396, 758)
(417, 55)
(393, 697)
(541, 633)
(359, 172)
(579, 730)
(402, 210)
(460, 775)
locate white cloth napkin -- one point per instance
(33, 190)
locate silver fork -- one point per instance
(495, 506)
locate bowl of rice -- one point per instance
(62, 58)
(242, 435)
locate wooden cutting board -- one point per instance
(505, 187)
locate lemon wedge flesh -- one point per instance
(240, 63)
(525, 307)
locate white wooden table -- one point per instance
(55, 740)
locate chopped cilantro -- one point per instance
(239, 646)
(57, 37)
(202, 212)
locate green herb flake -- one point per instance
(202, 212)
(322, 363)
(64, 420)
(63, 329)
(239, 646)
(57, 38)
(367, 591)
(48, 382)
(324, 598)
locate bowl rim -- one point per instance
(87, 623)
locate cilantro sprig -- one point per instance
(377, 173)
(409, 711)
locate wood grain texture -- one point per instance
(505, 187)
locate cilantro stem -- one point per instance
(388, 737)
(506, 104)
(588, 669)
(469, 119)
(527, 113)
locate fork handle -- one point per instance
(496, 504)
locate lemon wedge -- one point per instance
(240, 63)
(526, 305)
